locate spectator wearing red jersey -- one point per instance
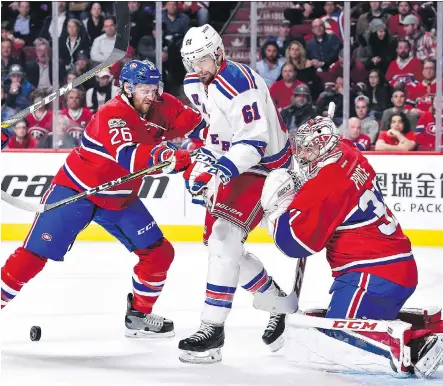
(21, 139)
(40, 121)
(423, 44)
(422, 95)
(426, 129)
(199, 9)
(359, 75)
(395, 23)
(361, 140)
(399, 137)
(282, 90)
(405, 69)
(79, 115)
(332, 19)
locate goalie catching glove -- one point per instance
(279, 191)
(180, 159)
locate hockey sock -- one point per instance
(149, 274)
(20, 267)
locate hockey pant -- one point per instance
(237, 212)
(53, 233)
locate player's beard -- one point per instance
(206, 78)
(143, 106)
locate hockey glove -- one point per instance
(180, 159)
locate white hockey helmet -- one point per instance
(199, 42)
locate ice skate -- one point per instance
(273, 335)
(141, 325)
(204, 346)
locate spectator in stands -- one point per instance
(301, 108)
(354, 134)
(422, 95)
(177, 22)
(8, 105)
(423, 44)
(17, 87)
(306, 72)
(81, 66)
(369, 125)
(63, 139)
(333, 19)
(79, 115)
(40, 71)
(62, 22)
(40, 121)
(117, 66)
(94, 23)
(141, 21)
(102, 92)
(405, 69)
(399, 136)
(7, 59)
(21, 138)
(104, 44)
(302, 10)
(426, 129)
(283, 38)
(399, 101)
(375, 12)
(270, 66)
(25, 26)
(395, 23)
(359, 75)
(377, 48)
(197, 9)
(78, 10)
(378, 93)
(282, 90)
(72, 43)
(323, 48)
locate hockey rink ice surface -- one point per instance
(80, 305)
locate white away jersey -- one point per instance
(244, 124)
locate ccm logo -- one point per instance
(354, 325)
(146, 228)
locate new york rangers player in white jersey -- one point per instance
(246, 140)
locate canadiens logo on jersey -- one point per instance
(407, 79)
(37, 132)
(76, 132)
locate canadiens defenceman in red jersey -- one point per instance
(118, 140)
(333, 201)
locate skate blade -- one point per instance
(201, 358)
(277, 344)
(138, 334)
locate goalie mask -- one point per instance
(314, 142)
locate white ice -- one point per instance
(80, 305)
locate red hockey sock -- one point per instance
(20, 267)
(150, 274)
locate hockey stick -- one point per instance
(118, 53)
(40, 208)
(287, 304)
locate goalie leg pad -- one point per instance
(150, 273)
(21, 266)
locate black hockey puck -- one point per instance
(35, 333)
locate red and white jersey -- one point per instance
(246, 131)
(407, 72)
(79, 119)
(422, 95)
(342, 209)
(117, 141)
(39, 127)
(426, 132)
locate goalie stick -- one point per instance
(287, 304)
(118, 53)
(40, 208)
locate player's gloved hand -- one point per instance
(180, 159)
(203, 160)
(278, 192)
